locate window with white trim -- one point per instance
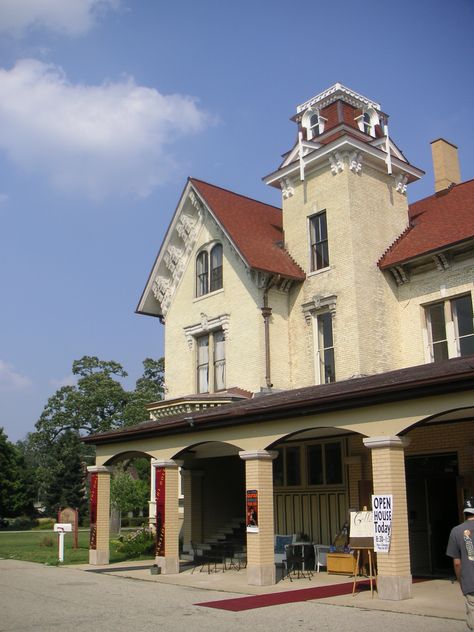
(313, 123)
(210, 362)
(325, 363)
(209, 277)
(450, 328)
(318, 234)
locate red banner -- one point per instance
(160, 510)
(93, 510)
(252, 511)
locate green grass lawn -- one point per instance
(42, 547)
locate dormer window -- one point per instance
(367, 122)
(313, 123)
(209, 276)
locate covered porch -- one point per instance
(227, 452)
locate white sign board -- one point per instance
(361, 525)
(62, 527)
(382, 506)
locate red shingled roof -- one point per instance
(438, 221)
(254, 227)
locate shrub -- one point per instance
(139, 542)
(45, 524)
(22, 523)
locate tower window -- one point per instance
(319, 241)
(313, 122)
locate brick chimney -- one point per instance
(445, 164)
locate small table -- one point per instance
(341, 564)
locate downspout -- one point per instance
(266, 313)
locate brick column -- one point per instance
(192, 492)
(99, 514)
(388, 468)
(260, 544)
(167, 503)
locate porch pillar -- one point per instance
(192, 492)
(152, 501)
(260, 542)
(99, 502)
(388, 468)
(167, 515)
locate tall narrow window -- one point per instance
(367, 123)
(319, 241)
(210, 361)
(219, 361)
(203, 364)
(450, 328)
(209, 270)
(202, 276)
(216, 268)
(314, 125)
(327, 368)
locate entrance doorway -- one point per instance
(432, 511)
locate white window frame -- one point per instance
(207, 250)
(311, 232)
(451, 327)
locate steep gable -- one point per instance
(253, 229)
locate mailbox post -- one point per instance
(61, 528)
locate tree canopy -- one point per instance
(99, 402)
(50, 464)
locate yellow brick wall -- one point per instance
(424, 288)
(244, 345)
(260, 546)
(389, 478)
(103, 511)
(364, 214)
(172, 521)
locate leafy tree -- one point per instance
(127, 493)
(148, 388)
(66, 485)
(15, 496)
(98, 402)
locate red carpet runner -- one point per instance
(290, 596)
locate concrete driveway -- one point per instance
(37, 598)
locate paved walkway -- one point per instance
(38, 598)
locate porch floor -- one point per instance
(432, 597)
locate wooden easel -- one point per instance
(372, 569)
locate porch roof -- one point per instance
(414, 382)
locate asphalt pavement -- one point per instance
(39, 598)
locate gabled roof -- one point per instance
(255, 228)
(436, 222)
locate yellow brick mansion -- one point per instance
(315, 354)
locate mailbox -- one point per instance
(63, 527)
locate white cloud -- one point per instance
(97, 140)
(10, 380)
(71, 17)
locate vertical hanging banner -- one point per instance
(160, 477)
(93, 510)
(382, 506)
(252, 511)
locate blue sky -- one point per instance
(107, 106)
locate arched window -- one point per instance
(202, 273)
(209, 269)
(216, 268)
(313, 123)
(367, 123)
